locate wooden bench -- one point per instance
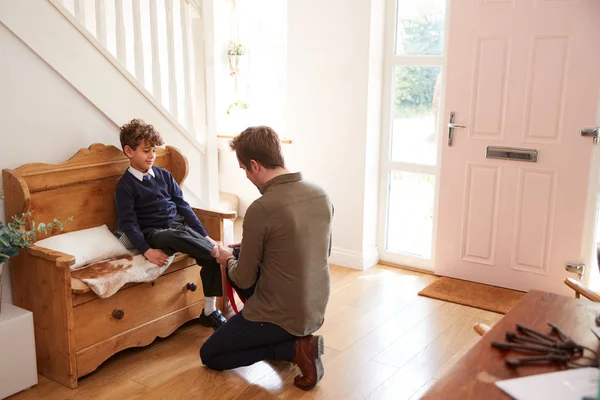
(75, 330)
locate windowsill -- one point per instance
(223, 136)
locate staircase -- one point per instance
(133, 59)
(150, 42)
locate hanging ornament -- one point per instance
(234, 51)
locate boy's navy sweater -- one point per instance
(151, 204)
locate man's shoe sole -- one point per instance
(319, 351)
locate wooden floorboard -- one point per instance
(382, 341)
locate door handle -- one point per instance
(451, 126)
(578, 269)
(593, 132)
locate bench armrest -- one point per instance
(212, 221)
(61, 259)
(214, 213)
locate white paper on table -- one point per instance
(572, 384)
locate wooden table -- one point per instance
(474, 375)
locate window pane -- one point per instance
(416, 103)
(420, 30)
(594, 271)
(410, 213)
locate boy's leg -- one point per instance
(181, 240)
(210, 273)
(241, 342)
(195, 245)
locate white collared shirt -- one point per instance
(140, 175)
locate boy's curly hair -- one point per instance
(136, 131)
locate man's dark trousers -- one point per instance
(240, 342)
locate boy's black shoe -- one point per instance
(213, 320)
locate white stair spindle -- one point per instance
(171, 51)
(187, 87)
(144, 34)
(156, 81)
(137, 42)
(80, 11)
(120, 32)
(101, 22)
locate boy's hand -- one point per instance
(211, 240)
(234, 245)
(156, 256)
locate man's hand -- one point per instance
(156, 256)
(224, 255)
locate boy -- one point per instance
(153, 215)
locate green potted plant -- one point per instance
(16, 235)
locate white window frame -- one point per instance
(591, 275)
(391, 60)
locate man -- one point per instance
(282, 267)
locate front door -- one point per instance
(521, 74)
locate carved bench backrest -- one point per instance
(82, 187)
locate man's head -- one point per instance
(258, 152)
(139, 142)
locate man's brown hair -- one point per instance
(258, 143)
(136, 131)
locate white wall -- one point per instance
(334, 102)
(42, 118)
(232, 178)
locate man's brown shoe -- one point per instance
(308, 358)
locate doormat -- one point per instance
(478, 295)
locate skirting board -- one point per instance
(354, 259)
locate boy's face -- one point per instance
(142, 158)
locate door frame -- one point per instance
(391, 60)
(591, 215)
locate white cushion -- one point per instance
(87, 245)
